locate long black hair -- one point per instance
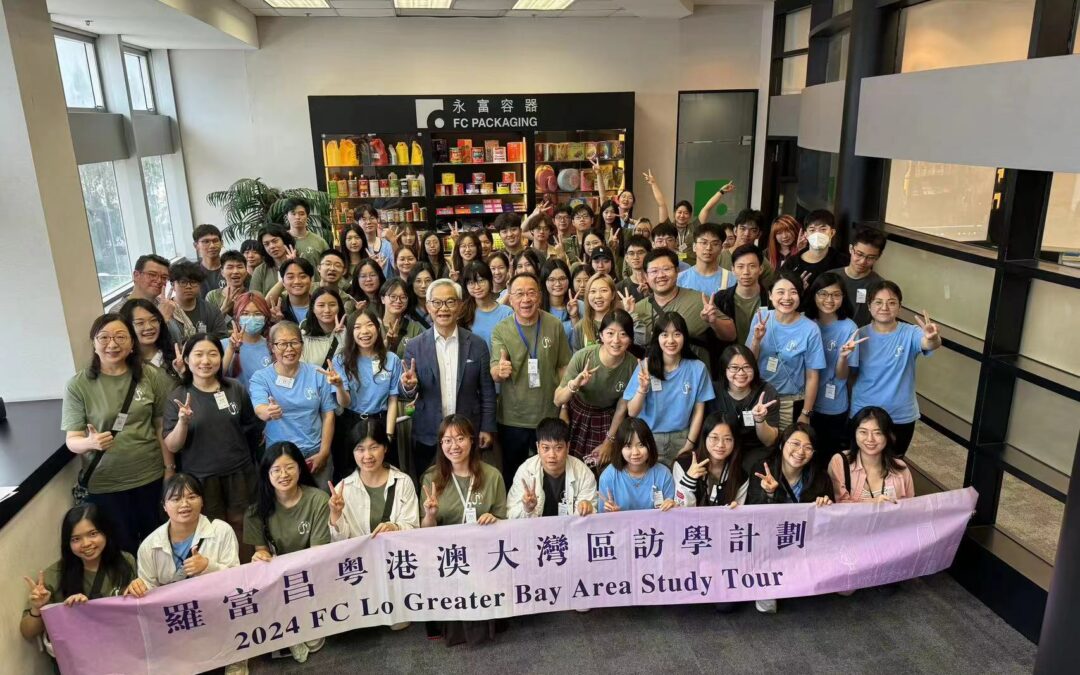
(133, 360)
(474, 271)
(729, 490)
(655, 354)
(311, 326)
(164, 341)
(890, 461)
(357, 292)
(265, 495)
(414, 299)
(274, 230)
(551, 265)
(113, 563)
(351, 352)
(810, 308)
(438, 263)
(190, 345)
(364, 251)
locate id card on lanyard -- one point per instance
(534, 362)
(468, 509)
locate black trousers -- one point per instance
(518, 444)
(904, 433)
(136, 512)
(832, 436)
(423, 456)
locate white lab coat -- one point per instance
(355, 518)
(580, 486)
(215, 539)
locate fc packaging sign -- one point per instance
(484, 112)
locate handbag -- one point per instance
(81, 488)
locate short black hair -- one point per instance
(871, 237)
(687, 204)
(658, 253)
(201, 231)
(584, 208)
(303, 263)
(710, 228)
(233, 256)
(250, 245)
(184, 270)
(140, 263)
(750, 216)
(639, 241)
(883, 285)
(747, 249)
(823, 216)
(506, 221)
(292, 203)
(664, 229)
(552, 429)
(564, 208)
(333, 251)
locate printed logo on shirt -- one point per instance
(619, 386)
(792, 345)
(234, 408)
(304, 527)
(310, 394)
(686, 388)
(139, 395)
(831, 346)
(899, 352)
(266, 360)
(547, 342)
(382, 376)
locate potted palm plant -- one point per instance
(249, 203)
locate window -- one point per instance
(102, 199)
(793, 78)
(157, 199)
(79, 72)
(1062, 231)
(797, 30)
(137, 67)
(946, 200)
(836, 59)
(954, 33)
(796, 39)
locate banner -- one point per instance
(511, 568)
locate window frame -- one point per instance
(146, 77)
(93, 68)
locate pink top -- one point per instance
(898, 484)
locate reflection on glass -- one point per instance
(945, 200)
(836, 61)
(1062, 230)
(1045, 425)
(1030, 517)
(78, 72)
(102, 200)
(138, 77)
(950, 380)
(1051, 324)
(797, 30)
(954, 292)
(157, 198)
(953, 33)
(793, 75)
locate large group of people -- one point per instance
(601, 363)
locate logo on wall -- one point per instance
(468, 112)
(429, 113)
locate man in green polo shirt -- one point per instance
(529, 352)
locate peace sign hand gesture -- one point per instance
(339, 326)
(585, 376)
(290, 253)
(595, 162)
(333, 378)
(761, 409)
(408, 377)
(929, 328)
(572, 306)
(768, 483)
(184, 411)
(644, 381)
(39, 594)
(529, 500)
(848, 347)
(236, 337)
(454, 230)
(802, 241)
(431, 501)
(628, 301)
(759, 327)
(337, 502)
(649, 178)
(276, 314)
(697, 469)
(178, 362)
(709, 312)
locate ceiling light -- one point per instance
(298, 4)
(423, 4)
(543, 5)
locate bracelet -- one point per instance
(31, 613)
(692, 443)
(570, 386)
(170, 467)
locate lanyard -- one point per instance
(536, 339)
(464, 504)
(871, 491)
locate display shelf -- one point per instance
(478, 163)
(574, 192)
(489, 195)
(613, 160)
(416, 197)
(374, 166)
(460, 216)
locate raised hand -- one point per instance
(572, 306)
(729, 187)
(506, 368)
(929, 328)
(236, 337)
(391, 235)
(768, 483)
(455, 232)
(697, 469)
(649, 178)
(595, 162)
(39, 594)
(454, 274)
(431, 501)
(178, 361)
(360, 306)
(290, 253)
(610, 505)
(761, 409)
(849, 346)
(99, 440)
(333, 378)
(166, 306)
(759, 327)
(408, 377)
(276, 314)
(529, 500)
(273, 410)
(196, 564)
(380, 259)
(709, 312)
(339, 325)
(644, 381)
(184, 411)
(337, 502)
(802, 242)
(585, 376)
(626, 298)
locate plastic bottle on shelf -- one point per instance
(423, 186)
(391, 151)
(342, 187)
(417, 154)
(352, 186)
(331, 188)
(402, 153)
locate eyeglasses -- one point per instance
(804, 448)
(830, 295)
(187, 283)
(439, 304)
(120, 340)
(450, 441)
(183, 499)
(880, 304)
(288, 469)
(740, 370)
(146, 323)
(397, 298)
(519, 295)
(859, 255)
(475, 282)
(333, 265)
(155, 276)
(709, 243)
(291, 344)
(653, 271)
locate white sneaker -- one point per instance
(400, 626)
(300, 652)
(765, 606)
(240, 668)
(315, 645)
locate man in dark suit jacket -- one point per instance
(467, 383)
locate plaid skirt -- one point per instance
(588, 428)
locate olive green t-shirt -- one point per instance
(134, 459)
(605, 389)
(263, 279)
(688, 304)
(109, 585)
(377, 499)
(311, 246)
(304, 525)
(768, 274)
(412, 329)
(490, 497)
(520, 406)
(745, 309)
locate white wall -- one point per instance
(245, 114)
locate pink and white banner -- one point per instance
(469, 572)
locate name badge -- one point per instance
(564, 509)
(121, 420)
(200, 327)
(860, 295)
(286, 382)
(773, 364)
(534, 373)
(221, 400)
(655, 384)
(470, 514)
(830, 391)
(747, 418)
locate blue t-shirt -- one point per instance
(371, 394)
(635, 494)
(562, 315)
(387, 251)
(796, 348)
(484, 322)
(302, 405)
(887, 372)
(300, 312)
(253, 358)
(696, 281)
(181, 549)
(833, 337)
(670, 408)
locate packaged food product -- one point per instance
(455, 155)
(479, 177)
(448, 178)
(515, 151)
(499, 155)
(509, 176)
(347, 153)
(576, 151)
(331, 156)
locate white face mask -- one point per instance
(819, 241)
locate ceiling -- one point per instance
(673, 9)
